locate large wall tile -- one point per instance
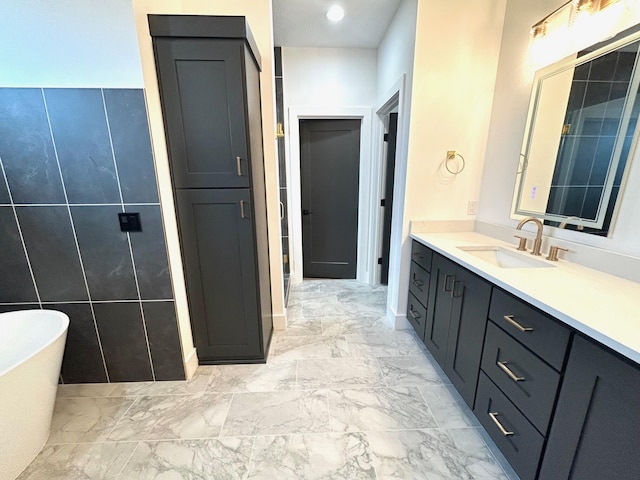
(4, 193)
(80, 131)
(26, 148)
(15, 308)
(105, 253)
(164, 342)
(127, 114)
(123, 341)
(16, 284)
(53, 253)
(82, 362)
(150, 254)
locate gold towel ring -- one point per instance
(446, 165)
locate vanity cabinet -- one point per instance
(596, 428)
(558, 405)
(456, 319)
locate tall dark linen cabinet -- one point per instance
(208, 73)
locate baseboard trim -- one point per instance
(191, 364)
(280, 321)
(397, 321)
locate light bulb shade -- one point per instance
(335, 13)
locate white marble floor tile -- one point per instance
(321, 309)
(376, 409)
(410, 370)
(434, 454)
(85, 461)
(253, 378)
(394, 343)
(311, 457)
(213, 459)
(275, 413)
(448, 407)
(342, 325)
(308, 346)
(86, 390)
(351, 372)
(173, 417)
(77, 420)
(298, 324)
(193, 387)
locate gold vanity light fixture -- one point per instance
(566, 15)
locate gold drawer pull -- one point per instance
(509, 372)
(494, 417)
(509, 318)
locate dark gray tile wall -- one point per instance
(70, 161)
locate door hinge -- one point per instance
(380, 261)
(385, 137)
(383, 202)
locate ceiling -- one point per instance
(301, 23)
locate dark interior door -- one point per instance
(329, 167)
(387, 202)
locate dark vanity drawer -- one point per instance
(518, 440)
(532, 328)
(416, 314)
(419, 283)
(421, 255)
(526, 380)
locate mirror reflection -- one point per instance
(580, 131)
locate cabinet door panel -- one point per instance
(202, 93)
(471, 296)
(220, 270)
(594, 434)
(439, 308)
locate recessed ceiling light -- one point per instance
(335, 13)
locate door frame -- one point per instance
(365, 114)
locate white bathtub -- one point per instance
(31, 348)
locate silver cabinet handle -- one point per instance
(453, 288)
(414, 314)
(239, 165)
(446, 281)
(509, 318)
(281, 211)
(417, 283)
(509, 372)
(504, 431)
(242, 213)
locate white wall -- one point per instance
(328, 83)
(395, 75)
(516, 70)
(71, 43)
(456, 57)
(258, 13)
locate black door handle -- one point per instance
(306, 212)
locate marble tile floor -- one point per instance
(341, 397)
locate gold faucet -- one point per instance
(537, 243)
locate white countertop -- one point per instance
(602, 306)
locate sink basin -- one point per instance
(504, 258)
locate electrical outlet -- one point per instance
(472, 207)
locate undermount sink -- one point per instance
(504, 258)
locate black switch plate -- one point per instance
(130, 222)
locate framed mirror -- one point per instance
(579, 136)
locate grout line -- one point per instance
(84, 204)
(135, 401)
(233, 395)
(24, 245)
(160, 300)
(133, 261)
(128, 460)
(75, 238)
(253, 445)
